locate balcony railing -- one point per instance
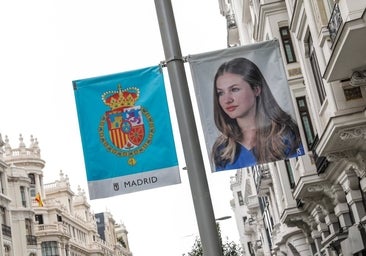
(6, 230)
(51, 228)
(334, 22)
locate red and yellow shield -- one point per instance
(126, 127)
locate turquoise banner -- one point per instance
(125, 130)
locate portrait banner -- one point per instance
(126, 132)
(245, 106)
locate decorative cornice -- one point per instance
(353, 160)
(318, 188)
(341, 155)
(353, 133)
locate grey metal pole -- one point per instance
(188, 131)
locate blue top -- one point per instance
(246, 158)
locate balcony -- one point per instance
(347, 30)
(52, 229)
(343, 135)
(253, 202)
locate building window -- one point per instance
(32, 192)
(22, 194)
(28, 226)
(39, 219)
(240, 198)
(316, 70)
(69, 201)
(32, 178)
(290, 173)
(49, 248)
(306, 121)
(1, 183)
(3, 215)
(251, 249)
(287, 45)
(245, 219)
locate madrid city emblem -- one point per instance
(126, 129)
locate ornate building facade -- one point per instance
(315, 204)
(49, 219)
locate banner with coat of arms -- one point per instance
(126, 132)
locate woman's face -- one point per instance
(235, 96)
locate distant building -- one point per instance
(5, 213)
(110, 232)
(316, 204)
(48, 219)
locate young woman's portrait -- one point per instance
(254, 129)
(249, 118)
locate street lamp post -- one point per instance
(223, 218)
(218, 225)
(187, 128)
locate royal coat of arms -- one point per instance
(123, 128)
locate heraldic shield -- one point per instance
(126, 127)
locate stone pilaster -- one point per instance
(341, 210)
(332, 222)
(350, 184)
(354, 199)
(317, 237)
(322, 227)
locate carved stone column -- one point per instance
(341, 209)
(317, 237)
(342, 212)
(322, 227)
(350, 184)
(333, 225)
(363, 184)
(354, 199)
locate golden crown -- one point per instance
(121, 98)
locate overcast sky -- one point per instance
(46, 44)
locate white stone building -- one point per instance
(5, 218)
(48, 219)
(313, 205)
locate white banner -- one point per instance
(245, 106)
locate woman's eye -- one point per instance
(219, 93)
(235, 89)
